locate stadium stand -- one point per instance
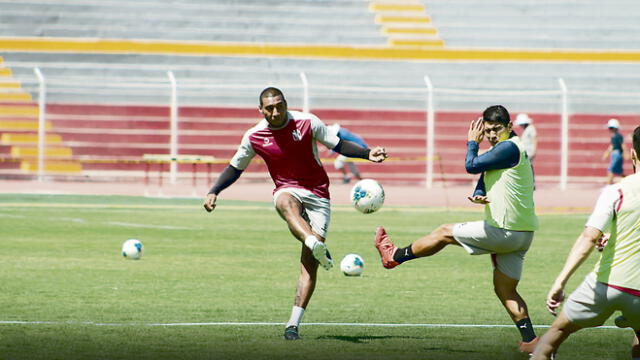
(588, 24)
(406, 23)
(339, 22)
(112, 108)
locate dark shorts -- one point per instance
(615, 166)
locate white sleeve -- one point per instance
(322, 133)
(605, 208)
(245, 153)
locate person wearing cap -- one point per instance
(341, 160)
(529, 136)
(615, 150)
(505, 188)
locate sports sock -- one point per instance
(403, 254)
(296, 315)
(310, 241)
(526, 329)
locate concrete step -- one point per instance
(52, 166)
(23, 151)
(30, 138)
(20, 124)
(18, 111)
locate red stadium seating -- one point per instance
(115, 138)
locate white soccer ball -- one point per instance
(367, 196)
(132, 249)
(352, 265)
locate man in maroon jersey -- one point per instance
(286, 141)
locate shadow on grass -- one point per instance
(365, 338)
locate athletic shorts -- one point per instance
(315, 210)
(615, 166)
(507, 247)
(593, 302)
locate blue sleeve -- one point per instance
(480, 189)
(348, 135)
(502, 156)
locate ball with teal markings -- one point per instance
(367, 196)
(132, 249)
(352, 265)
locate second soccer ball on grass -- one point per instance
(367, 196)
(132, 249)
(352, 265)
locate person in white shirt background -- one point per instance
(528, 136)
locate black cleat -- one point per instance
(291, 333)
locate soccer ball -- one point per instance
(352, 265)
(367, 196)
(132, 249)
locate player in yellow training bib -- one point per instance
(614, 283)
(506, 190)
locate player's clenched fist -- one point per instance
(377, 154)
(210, 202)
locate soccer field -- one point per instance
(221, 285)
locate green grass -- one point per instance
(60, 262)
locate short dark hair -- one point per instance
(496, 113)
(271, 92)
(636, 140)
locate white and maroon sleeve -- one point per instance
(244, 154)
(607, 205)
(322, 133)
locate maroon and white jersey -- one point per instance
(290, 152)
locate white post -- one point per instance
(174, 128)
(430, 132)
(564, 136)
(305, 92)
(42, 101)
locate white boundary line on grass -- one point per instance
(230, 323)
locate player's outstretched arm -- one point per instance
(351, 149)
(228, 176)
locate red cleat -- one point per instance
(528, 347)
(385, 248)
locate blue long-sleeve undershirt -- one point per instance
(503, 155)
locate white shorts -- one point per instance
(340, 160)
(315, 210)
(507, 247)
(593, 302)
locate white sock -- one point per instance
(310, 241)
(296, 315)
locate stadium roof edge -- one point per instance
(195, 48)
